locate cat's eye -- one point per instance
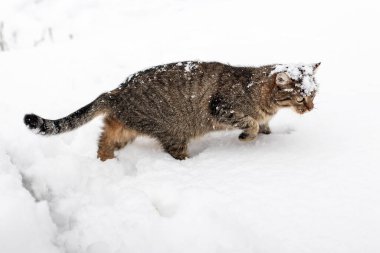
(300, 100)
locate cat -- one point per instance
(179, 101)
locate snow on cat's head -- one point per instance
(295, 86)
(301, 74)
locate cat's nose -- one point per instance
(309, 105)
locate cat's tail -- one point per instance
(74, 120)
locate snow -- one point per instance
(25, 224)
(190, 66)
(310, 186)
(302, 73)
(250, 84)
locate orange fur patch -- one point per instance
(115, 136)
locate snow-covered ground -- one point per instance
(310, 186)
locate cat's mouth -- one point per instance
(301, 110)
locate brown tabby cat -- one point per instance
(179, 101)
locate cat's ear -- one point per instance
(282, 79)
(315, 66)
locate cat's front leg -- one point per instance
(249, 126)
(224, 114)
(265, 129)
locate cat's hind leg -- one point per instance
(115, 136)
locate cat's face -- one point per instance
(296, 91)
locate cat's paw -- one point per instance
(264, 129)
(244, 136)
(104, 155)
(180, 156)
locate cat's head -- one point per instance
(295, 86)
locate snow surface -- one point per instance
(310, 186)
